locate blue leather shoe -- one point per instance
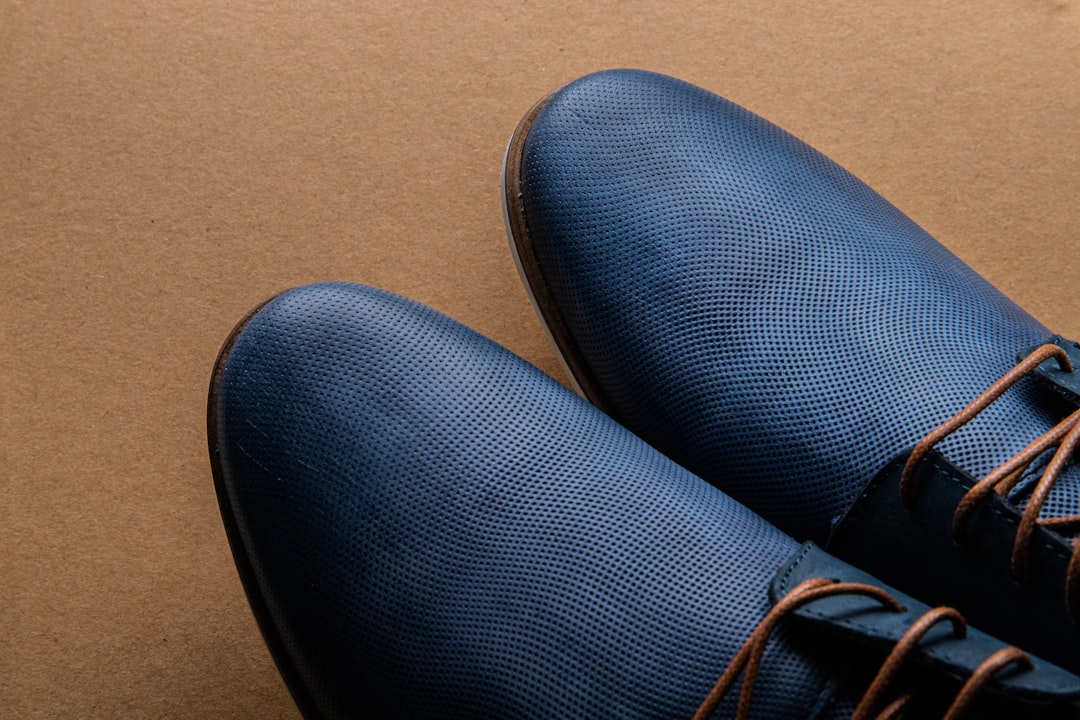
(429, 527)
(772, 324)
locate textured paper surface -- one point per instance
(164, 166)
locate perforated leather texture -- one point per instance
(756, 312)
(437, 529)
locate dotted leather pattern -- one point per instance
(438, 529)
(755, 311)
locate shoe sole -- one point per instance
(536, 287)
(256, 601)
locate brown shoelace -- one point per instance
(748, 660)
(1065, 437)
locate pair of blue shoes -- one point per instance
(806, 397)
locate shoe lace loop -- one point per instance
(1064, 436)
(747, 661)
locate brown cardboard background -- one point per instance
(164, 166)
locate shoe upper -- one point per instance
(428, 526)
(435, 528)
(756, 312)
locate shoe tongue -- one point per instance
(1016, 419)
